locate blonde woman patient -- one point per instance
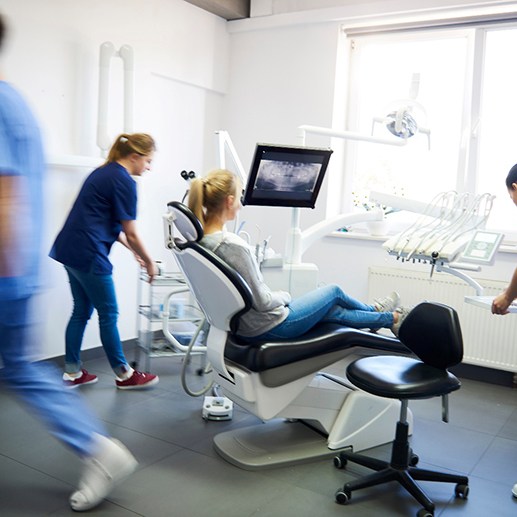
(215, 200)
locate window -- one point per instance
(460, 84)
(497, 126)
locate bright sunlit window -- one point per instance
(458, 85)
(497, 128)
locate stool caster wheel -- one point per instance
(340, 462)
(343, 496)
(424, 513)
(461, 491)
(413, 460)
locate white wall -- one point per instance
(279, 79)
(282, 75)
(181, 64)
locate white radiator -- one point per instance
(488, 340)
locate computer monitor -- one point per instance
(283, 175)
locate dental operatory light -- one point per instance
(406, 117)
(404, 120)
(401, 124)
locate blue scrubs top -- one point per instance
(21, 154)
(107, 197)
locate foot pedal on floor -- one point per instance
(217, 408)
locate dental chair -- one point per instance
(310, 414)
(437, 348)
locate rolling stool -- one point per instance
(432, 332)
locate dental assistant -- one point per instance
(104, 212)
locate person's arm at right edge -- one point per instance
(137, 246)
(502, 301)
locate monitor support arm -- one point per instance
(299, 242)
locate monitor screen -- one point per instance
(286, 175)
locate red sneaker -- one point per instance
(137, 381)
(84, 378)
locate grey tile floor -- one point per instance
(181, 475)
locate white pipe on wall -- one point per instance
(107, 52)
(126, 54)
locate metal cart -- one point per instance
(169, 323)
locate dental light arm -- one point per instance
(351, 135)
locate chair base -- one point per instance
(400, 469)
(278, 443)
(309, 434)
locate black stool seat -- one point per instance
(400, 378)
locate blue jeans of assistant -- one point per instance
(91, 291)
(40, 385)
(327, 304)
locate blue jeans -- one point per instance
(40, 386)
(93, 291)
(327, 304)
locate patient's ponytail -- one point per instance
(207, 195)
(195, 199)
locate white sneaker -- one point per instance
(403, 312)
(388, 303)
(108, 466)
(514, 490)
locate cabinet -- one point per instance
(169, 322)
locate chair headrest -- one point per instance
(219, 290)
(432, 332)
(187, 224)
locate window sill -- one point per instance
(510, 247)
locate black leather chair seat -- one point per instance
(400, 377)
(283, 361)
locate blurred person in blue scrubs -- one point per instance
(22, 169)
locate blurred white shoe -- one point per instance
(514, 490)
(110, 463)
(388, 303)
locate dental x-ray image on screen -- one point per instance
(286, 175)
